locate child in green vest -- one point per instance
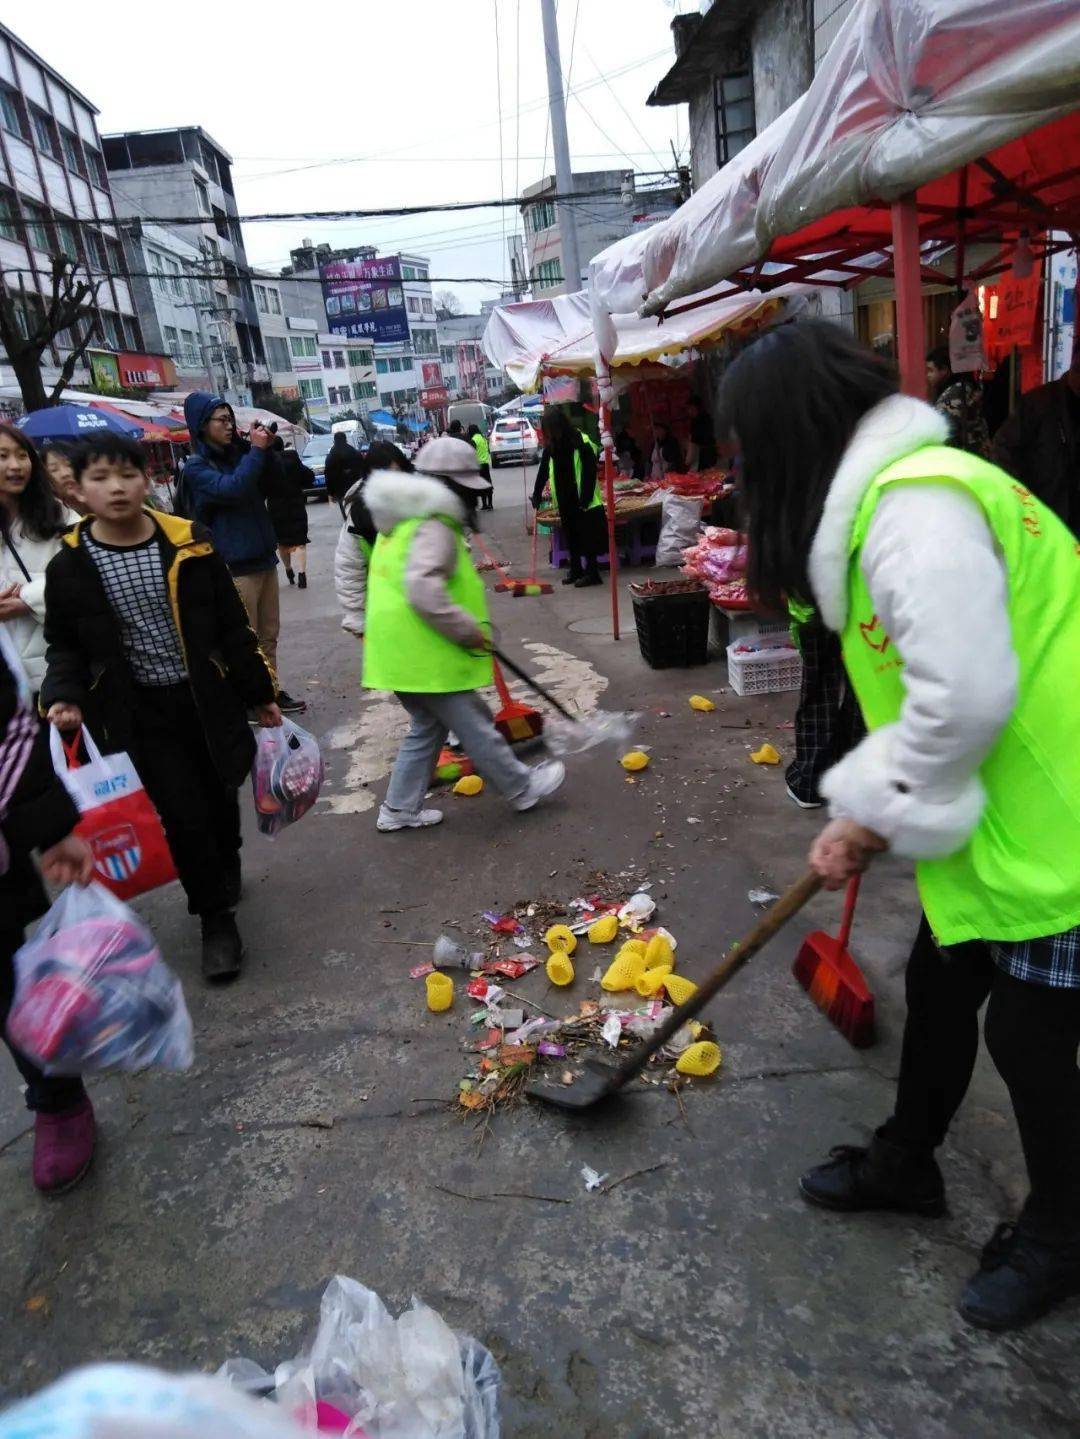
(427, 633)
(956, 598)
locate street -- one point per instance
(311, 1135)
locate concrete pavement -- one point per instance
(700, 1297)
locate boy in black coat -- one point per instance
(149, 642)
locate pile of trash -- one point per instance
(604, 939)
(718, 560)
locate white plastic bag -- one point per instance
(92, 991)
(286, 775)
(680, 520)
(405, 1378)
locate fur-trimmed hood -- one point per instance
(393, 496)
(891, 430)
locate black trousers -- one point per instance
(487, 499)
(199, 812)
(43, 1094)
(828, 721)
(1032, 1034)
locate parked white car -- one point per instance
(514, 442)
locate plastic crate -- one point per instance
(764, 672)
(756, 629)
(673, 630)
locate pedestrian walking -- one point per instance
(344, 466)
(56, 457)
(1039, 443)
(972, 767)
(149, 643)
(959, 399)
(222, 477)
(285, 479)
(32, 520)
(37, 813)
(357, 536)
(569, 465)
(427, 633)
(483, 454)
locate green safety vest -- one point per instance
(401, 650)
(1018, 875)
(366, 549)
(597, 501)
(480, 445)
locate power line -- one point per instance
(621, 106)
(96, 275)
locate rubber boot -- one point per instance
(63, 1147)
(884, 1176)
(222, 948)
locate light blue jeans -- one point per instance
(433, 716)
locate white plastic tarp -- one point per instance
(913, 89)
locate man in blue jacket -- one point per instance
(222, 477)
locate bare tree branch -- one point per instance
(68, 367)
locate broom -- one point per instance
(504, 585)
(515, 721)
(532, 586)
(832, 979)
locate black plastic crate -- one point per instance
(673, 629)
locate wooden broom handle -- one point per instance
(771, 922)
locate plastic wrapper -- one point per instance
(589, 732)
(681, 516)
(92, 991)
(405, 1378)
(286, 776)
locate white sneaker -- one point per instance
(390, 819)
(804, 803)
(544, 779)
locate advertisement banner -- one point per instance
(434, 398)
(364, 299)
(104, 369)
(431, 373)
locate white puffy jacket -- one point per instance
(27, 632)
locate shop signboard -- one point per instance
(434, 398)
(104, 369)
(364, 299)
(131, 369)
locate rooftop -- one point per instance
(698, 38)
(60, 80)
(172, 130)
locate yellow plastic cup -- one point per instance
(560, 936)
(440, 992)
(699, 1059)
(679, 988)
(559, 968)
(603, 930)
(651, 981)
(659, 951)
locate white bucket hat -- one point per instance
(450, 459)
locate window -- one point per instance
(326, 361)
(733, 114)
(260, 300)
(277, 352)
(339, 359)
(359, 357)
(202, 198)
(9, 226)
(543, 216)
(172, 340)
(382, 367)
(189, 348)
(446, 354)
(312, 389)
(412, 304)
(549, 272)
(73, 158)
(303, 347)
(37, 226)
(429, 308)
(97, 167)
(408, 272)
(114, 260)
(44, 133)
(95, 252)
(110, 329)
(11, 115)
(65, 240)
(421, 272)
(365, 391)
(275, 300)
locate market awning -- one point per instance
(161, 429)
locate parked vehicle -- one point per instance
(471, 412)
(314, 456)
(514, 442)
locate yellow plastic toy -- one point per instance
(659, 951)
(559, 936)
(679, 988)
(559, 968)
(699, 702)
(765, 755)
(651, 981)
(440, 991)
(469, 784)
(634, 946)
(635, 760)
(623, 971)
(603, 930)
(699, 1059)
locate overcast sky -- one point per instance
(379, 103)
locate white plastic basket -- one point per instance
(755, 629)
(764, 672)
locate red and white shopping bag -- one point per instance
(119, 821)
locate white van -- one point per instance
(471, 412)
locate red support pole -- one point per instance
(910, 329)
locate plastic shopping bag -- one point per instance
(119, 821)
(92, 991)
(286, 776)
(681, 519)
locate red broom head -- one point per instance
(836, 985)
(525, 588)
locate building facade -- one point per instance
(464, 364)
(613, 207)
(183, 178)
(334, 378)
(175, 310)
(56, 202)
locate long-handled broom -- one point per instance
(515, 721)
(834, 981)
(532, 586)
(504, 585)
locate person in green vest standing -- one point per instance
(427, 633)
(483, 454)
(568, 467)
(956, 597)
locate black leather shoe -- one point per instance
(592, 578)
(222, 948)
(884, 1176)
(1019, 1278)
(571, 578)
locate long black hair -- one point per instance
(559, 433)
(39, 510)
(791, 401)
(382, 455)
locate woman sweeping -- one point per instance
(427, 632)
(956, 597)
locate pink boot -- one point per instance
(63, 1147)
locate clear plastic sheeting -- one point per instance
(605, 727)
(912, 89)
(405, 1378)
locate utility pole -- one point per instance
(561, 146)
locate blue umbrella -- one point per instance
(74, 422)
